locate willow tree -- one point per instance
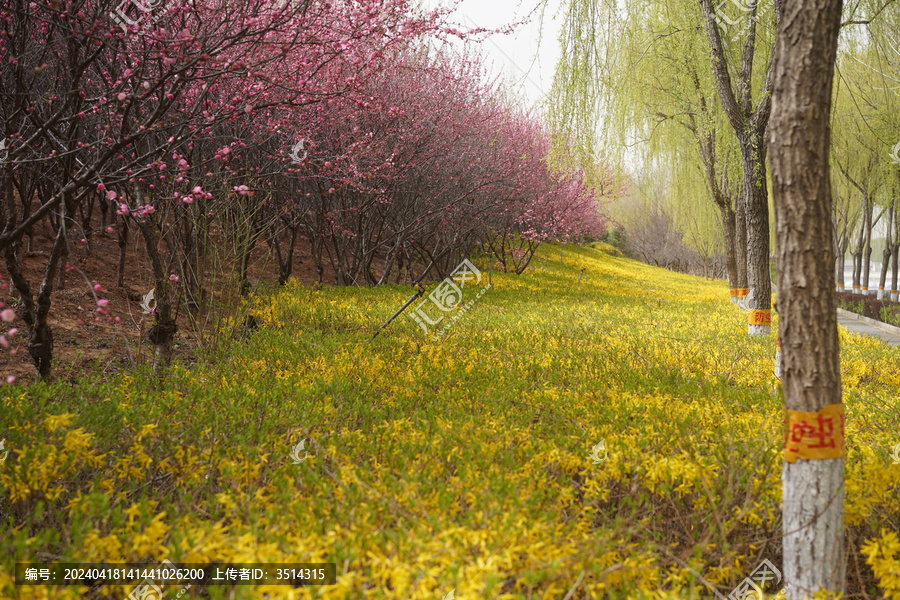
(845, 215)
(858, 148)
(633, 71)
(885, 40)
(701, 223)
(736, 57)
(866, 124)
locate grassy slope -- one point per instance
(460, 464)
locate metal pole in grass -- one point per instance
(579, 277)
(419, 291)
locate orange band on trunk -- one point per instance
(760, 317)
(742, 292)
(814, 435)
(733, 292)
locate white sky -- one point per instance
(526, 67)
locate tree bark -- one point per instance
(841, 226)
(61, 276)
(857, 255)
(839, 272)
(759, 283)
(843, 243)
(886, 253)
(35, 310)
(867, 244)
(162, 334)
(122, 241)
(749, 122)
(740, 248)
(730, 251)
(285, 259)
(840, 252)
(896, 254)
(706, 141)
(799, 142)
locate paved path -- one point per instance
(871, 330)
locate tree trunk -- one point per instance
(104, 211)
(286, 268)
(740, 249)
(399, 266)
(123, 246)
(190, 249)
(867, 248)
(839, 227)
(162, 334)
(895, 251)
(315, 242)
(728, 231)
(895, 256)
(61, 283)
(886, 254)
(36, 310)
(813, 491)
(857, 255)
(244, 267)
(749, 122)
(839, 271)
(759, 297)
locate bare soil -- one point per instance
(83, 342)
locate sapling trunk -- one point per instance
(162, 333)
(122, 234)
(36, 310)
(867, 249)
(839, 270)
(894, 269)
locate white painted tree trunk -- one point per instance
(751, 328)
(813, 526)
(778, 359)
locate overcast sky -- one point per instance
(526, 67)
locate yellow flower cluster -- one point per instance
(883, 556)
(618, 438)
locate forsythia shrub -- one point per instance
(883, 555)
(619, 438)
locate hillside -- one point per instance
(619, 438)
